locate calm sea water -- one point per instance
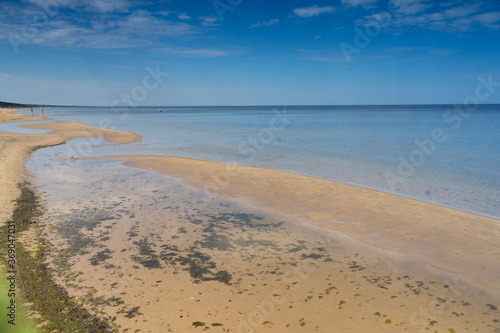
(438, 154)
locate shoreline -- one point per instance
(386, 221)
(15, 149)
(157, 248)
(264, 189)
(350, 216)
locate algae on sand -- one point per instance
(59, 312)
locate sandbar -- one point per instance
(448, 239)
(15, 149)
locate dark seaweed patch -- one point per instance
(100, 257)
(492, 307)
(297, 248)
(312, 256)
(198, 323)
(59, 311)
(215, 241)
(131, 313)
(252, 242)
(147, 256)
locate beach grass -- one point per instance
(23, 323)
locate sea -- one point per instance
(443, 154)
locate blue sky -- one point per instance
(247, 52)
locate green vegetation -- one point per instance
(32, 149)
(9, 105)
(199, 323)
(20, 106)
(59, 311)
(23, 324)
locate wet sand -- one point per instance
(448, 239)
(152, 252)
(13, 156)
(156, 257)
(15, 149)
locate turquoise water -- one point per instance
(432, 153)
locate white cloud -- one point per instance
(461, 24)
(109, 5)
(135, 29)
(313, 11)
(446, 4)
(90, 5)
(183, 16)
(462, 11)
(423, 15)
(209, 21)
(488, 19)
(356, 3)
(410, 7)
(264, 24)
(164, 12)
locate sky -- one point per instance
(249, 52)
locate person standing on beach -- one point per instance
(41, 111)
(31, 111)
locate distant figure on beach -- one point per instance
(31, 111)
(41, 111)
(160, 110)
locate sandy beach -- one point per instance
(448, 239)
(15, 149)
(198, 245)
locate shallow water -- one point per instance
(424, 152)
(13, 127)
(146, 252)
